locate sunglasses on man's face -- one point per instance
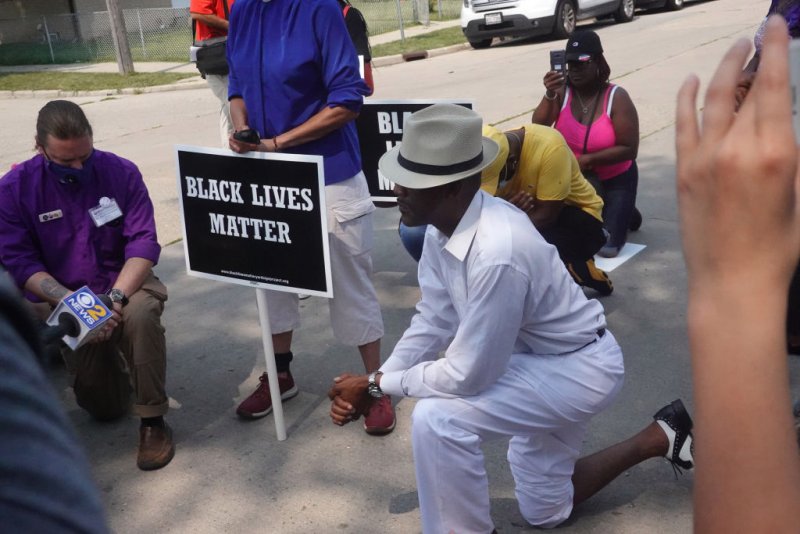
(578, 65)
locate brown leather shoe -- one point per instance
(156, 448)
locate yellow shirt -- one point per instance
(548, 170)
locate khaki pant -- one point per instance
(134, 361)
(219, 86)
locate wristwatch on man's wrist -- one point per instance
(373, 388)
(117, 295)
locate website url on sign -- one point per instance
(256, 277)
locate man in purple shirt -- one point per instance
(73, 216)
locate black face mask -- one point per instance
(68, 175)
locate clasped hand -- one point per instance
(349, 398)
(523, 200)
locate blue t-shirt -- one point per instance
(290, 58)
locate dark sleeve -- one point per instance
(340, 74)
(357, 28)
(233, 37)
(45, 484)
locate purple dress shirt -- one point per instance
(45, 224)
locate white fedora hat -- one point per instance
(441, 144)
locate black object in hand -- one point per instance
(247, 136)
(558, 59)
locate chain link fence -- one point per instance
(391, 15)
(154, 34)
(164, 34)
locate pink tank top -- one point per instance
(601, 135)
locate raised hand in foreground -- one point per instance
(740, 224)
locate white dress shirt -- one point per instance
(493, 289)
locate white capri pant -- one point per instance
(354, 310)
(544, 402)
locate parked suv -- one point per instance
(482, 20)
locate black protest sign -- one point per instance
(380, 128)
(255, 219)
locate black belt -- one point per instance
(600, 333)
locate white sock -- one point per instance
(685, 453)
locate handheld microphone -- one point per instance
(66, 325)
(77, 318)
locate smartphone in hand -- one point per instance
(247, 136)
(558, 60)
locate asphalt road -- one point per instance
(649, 57)
(230, 476)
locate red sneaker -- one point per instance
(259, 403)
(380, 419)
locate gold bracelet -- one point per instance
(275, 142)
(555, 95)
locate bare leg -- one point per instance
(282, 342)
(371, 355)
(594, 472)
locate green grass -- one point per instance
(172, 43)
(427, 41)
(158, 46)
(74, 81)
(162, 46)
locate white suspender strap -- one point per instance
(611, 99)
(566, 99)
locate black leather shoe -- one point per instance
(674, 420)
(156, 448)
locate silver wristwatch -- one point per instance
(116, 295)
(373, 388)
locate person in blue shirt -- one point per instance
(294, 79)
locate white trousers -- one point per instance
(219, 86)
(354, 310)
(544, 403)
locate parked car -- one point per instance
(482, 20)
(672, 5)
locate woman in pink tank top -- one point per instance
(599, 122)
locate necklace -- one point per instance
(585, 107)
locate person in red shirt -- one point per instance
(210, 19)
(359, 34)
